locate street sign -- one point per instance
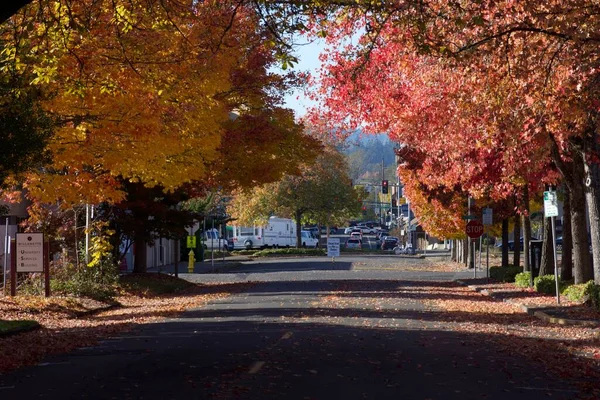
(191, 242)
(487, 216)
(474, 229)
(550, 204)
(469, 217)
(30, 252)
(333, 247)
(402, 200)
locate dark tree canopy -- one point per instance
(24, 131)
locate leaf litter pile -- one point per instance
(68, 323)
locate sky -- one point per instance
(308, 56)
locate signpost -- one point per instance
(551, 211)
(333, 248)
(191, 242)
(30, 255)
(487, 216)
(474, 230)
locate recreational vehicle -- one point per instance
(279, 232)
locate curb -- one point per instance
(536, 311)
(221, 268)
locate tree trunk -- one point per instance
(582, 266)
(566, 268)
(526, 230)
(592, 193)
(505, 242)
(517, 236)
(140, 256)
(298, 228)
(547, 262)
(453, 251)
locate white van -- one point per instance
(279, 232)
(308, 239)
(211, 240)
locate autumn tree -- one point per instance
(322, 192)
(25, 128)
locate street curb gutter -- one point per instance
(222, 268)
(535, 311)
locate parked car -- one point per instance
(312, 229)
(381, 234)
(348, 230)
(332, 230)
(353, 243)
(357, 235)
(511, 243)
(366, 229)
(389, 243)
(308, 239)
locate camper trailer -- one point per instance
(279, 232)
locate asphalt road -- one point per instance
(306, 330)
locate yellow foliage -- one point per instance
(137, 90)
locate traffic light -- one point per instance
(394, 202)
(364, 210)
(384, 187)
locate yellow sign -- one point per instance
(385, 198)
(402, 200)
(191, 242)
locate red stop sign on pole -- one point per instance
(474, 229)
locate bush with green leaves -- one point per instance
(575, 293)
(505, 274)
(546, 284)
(593, 292)
(522, 279)
(99, 283)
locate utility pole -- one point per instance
(470, 241)
(380, 206)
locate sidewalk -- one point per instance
(537, 304)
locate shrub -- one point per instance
(575, 292)
(243, 252)
(98, 283)
(546, 284)
(593, 292)
(290, 251)
(522, 279)
(505, 274)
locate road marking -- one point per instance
(256, 367)
(286, 335)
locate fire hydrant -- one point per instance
(191, 262)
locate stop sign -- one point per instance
(474, 229)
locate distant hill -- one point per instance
(364, 154)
